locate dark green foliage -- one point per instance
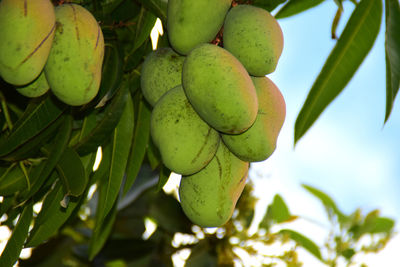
(53, 147)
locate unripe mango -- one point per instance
(26, 34)
(190, 23)
(254, 36)
(185, 141)
(161, 71)
(36, 88)
(73, 69)
(219, 89)
(259, 141)
(208, 198)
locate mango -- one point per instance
(254, 36)
(26, 34)
(219, 89)
(208, 198)
(36, 88)
(185, 141)
(190, 23)
(73, 69)
(259, 141)
(161, 71)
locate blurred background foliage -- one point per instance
(54, 201)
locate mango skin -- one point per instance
(161, 71)
(26, 34)
(259, 141)
(38, 87)
(208, 198)
(254, 36)
(219, 89)
(185, 141)
(190, 23)
(73, 69)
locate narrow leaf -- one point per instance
(163, 177)
(72, 172)
(293, 7)
(111, 76)
(140, 141)
(36, 118)
(345, 58)
(53, 152)
(268, 5)
(16, 242)
(382, 225)
(96, 136)
(52, 216)
(144, 26)
(157, 7)
(327, 202)
(303, 241)
(277, 212)
(121, 143)
(101, 232)
(392, 50)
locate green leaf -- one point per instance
(163, 177)
(303, 241)
(72, 173)
(36, 118)
(140, 141)
(268, 5)
(382, 225)
(345, 58)
(53, 152)
(112, 72)
(144, 26)
(158, 8)
(52, 215)
(277, 212)
(101, 232)
(327, 202)
(12, 181)
(153, 155)
(120, 146)
(16, 242)
(392, 50)
(293, 7)
(201, 256)
(168, 214)
(94, 133)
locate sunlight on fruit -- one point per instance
(98, 159)
(155, 33)
(150, 226)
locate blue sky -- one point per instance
(348, 153)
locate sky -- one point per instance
(348, 153)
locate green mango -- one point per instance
(220, 89)
(161, 71)
(190, 23)
(208, 198)
(185, 141)
(26, 34)
(73, 69)
(259, 141)
(36, 88)
(254, 36)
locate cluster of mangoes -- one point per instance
(214, 111)
(45, 47)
